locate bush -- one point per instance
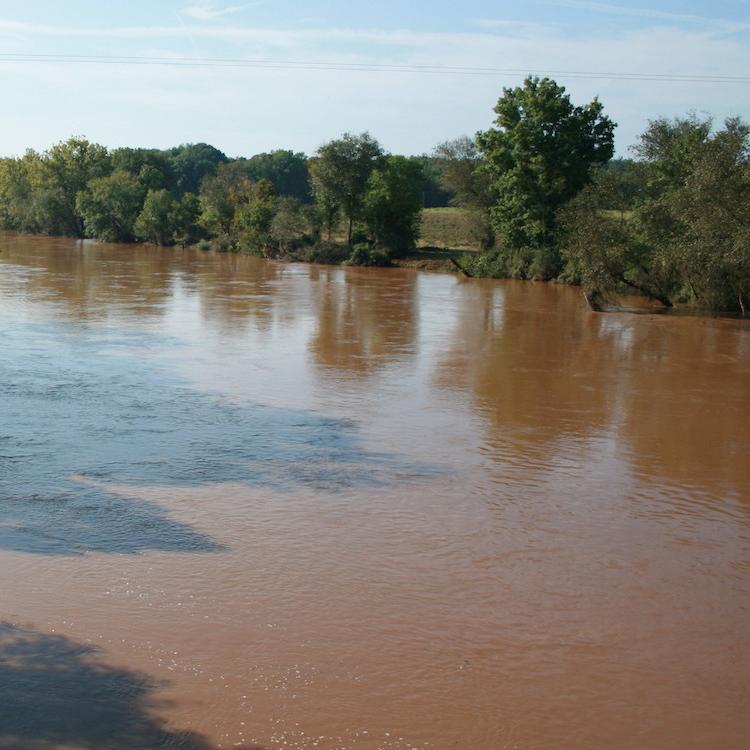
(369, 255)
(327, 253)
(491, 265)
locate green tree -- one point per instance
(710, 242)
(539, 156)
(17, 195)
(150, 166)
(688, 237)
(109, 207)
(340, 173)
(621, 184)
(285, 170)
(186, 218)
(68, 167)
(254, 217)
(157, 221)
(191, 163)
(609, 253)
(290, 223)
(222, 194)
(393, 204)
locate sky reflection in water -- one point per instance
(85, 403)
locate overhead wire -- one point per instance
(368, 67)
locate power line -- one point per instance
(271, 64)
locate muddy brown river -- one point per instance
(253, 505)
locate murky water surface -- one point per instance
(264, 506)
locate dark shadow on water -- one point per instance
(56, 693)
(85, 403)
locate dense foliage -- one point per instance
(687, 235)
(271, 204)
(539, 156)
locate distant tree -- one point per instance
(340, 173)
(393, 204)
(17, 195)
(150, 166)
(186, 217)
(434, 194)
(109, 207)
(622, 183)
(463, 172)
(327, 206)
(254, 217)
(222, 194)
(290, 223)
(539, 156)
(460, 162)
(285, 170)
(191, 163)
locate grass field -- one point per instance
(617, 215)
(448, 228)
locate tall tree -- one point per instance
(539, 156)
(393, 203)
(340, 173)
(68, 168)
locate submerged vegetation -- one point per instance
(537, 196)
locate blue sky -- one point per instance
(246, 110)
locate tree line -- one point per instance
(274, 204)
(543, 195)
(671, 224)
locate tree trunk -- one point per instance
(460, 268)
(594, 299)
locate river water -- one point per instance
(246, 504)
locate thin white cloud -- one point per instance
(501, 24)
(652, 13)
(272, 37)
(408, 112)
(209, 11)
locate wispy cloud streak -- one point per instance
(209, 11)
(713, 24)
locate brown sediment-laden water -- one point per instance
(245, 504)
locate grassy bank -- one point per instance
(448, 229)
(446, 234)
